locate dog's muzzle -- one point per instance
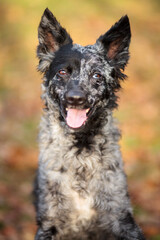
(76, 111)
(75, 97)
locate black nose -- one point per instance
(75, 97)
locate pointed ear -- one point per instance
(115, 43)
(51, 37)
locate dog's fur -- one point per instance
(81, 190)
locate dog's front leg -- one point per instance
(128, 229)
(44, 235)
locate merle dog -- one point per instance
(81, 190)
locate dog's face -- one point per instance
(81, 82)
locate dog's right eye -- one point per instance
(62, 72)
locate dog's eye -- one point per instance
(62, 72)
(97, 76)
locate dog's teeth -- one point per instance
(87, 110)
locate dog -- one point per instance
(81, 190)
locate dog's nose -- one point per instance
(75, 97)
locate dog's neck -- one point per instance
(86, 138)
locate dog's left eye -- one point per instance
(97, 76)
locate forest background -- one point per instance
(21, 107)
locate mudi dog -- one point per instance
(80, 189)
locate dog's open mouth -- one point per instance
(76, 118)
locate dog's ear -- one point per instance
(51, 37)
(115, 43)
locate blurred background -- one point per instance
(20, 104)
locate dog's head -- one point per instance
(80, 83)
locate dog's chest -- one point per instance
(78, 204)
(74, 179)
(82, 208)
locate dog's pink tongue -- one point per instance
(75, 117)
